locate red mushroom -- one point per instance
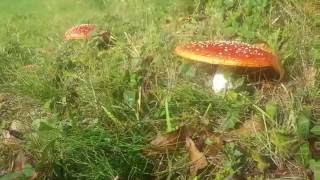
(81, 31)
(230, 53)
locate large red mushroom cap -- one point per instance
(81, 31)
(230, 53)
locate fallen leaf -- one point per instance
(20, 165)
(248, 128)
(169, 141)
(19, 162)
(197, 158)
(210, 143)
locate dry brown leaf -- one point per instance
(169, 141)
(210, 143)
(197, 158)
(248, 128)
(19, 162)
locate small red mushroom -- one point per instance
(81, 31)
(229, 53)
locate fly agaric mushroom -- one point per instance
(81, 31)
(99, 38)
(228, 54)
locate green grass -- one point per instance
(106, 105)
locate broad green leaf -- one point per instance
(303, 125)
(272, 110)
(304, 154)
(232, 96)
(11, 176)
(28, 170)
(45, 126)
(231, 120)
(316, 130)
(47, 105)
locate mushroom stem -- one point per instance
(221, 79)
